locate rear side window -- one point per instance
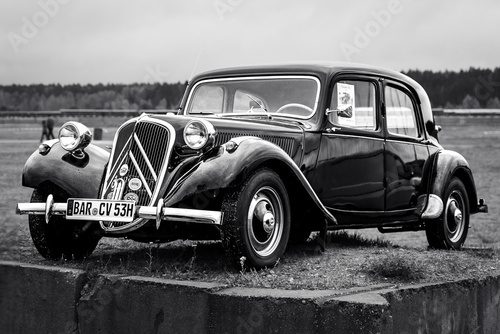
(400, 113)
(353, 105)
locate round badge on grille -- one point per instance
(134, 184)
(131, 197)
(123, 170)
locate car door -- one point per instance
(405, 149)
(351, 157)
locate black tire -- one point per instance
(261, 237)
(59, 238)
(450, 230)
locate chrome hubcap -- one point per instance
(454, 219)
(265, 221)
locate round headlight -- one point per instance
(198, 133)
(74, 136)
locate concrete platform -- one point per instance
(44, 299)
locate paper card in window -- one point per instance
(345, 104)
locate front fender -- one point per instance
(77, 177)
(226, 169)
(446, 165)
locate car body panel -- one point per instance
(77, 177)
(446, 165)
(227, 169)
(349, 174)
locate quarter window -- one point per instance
(400, 113)
(353, 105)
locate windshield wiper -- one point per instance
(201, 113)
(249, 114)
(254, 100)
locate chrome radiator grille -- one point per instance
(140, 167)
(286, 143)
(146, 157)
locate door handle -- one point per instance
(332, 129)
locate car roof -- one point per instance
(321, 69)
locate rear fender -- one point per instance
(77, 177)
(228, 169)
(446, 165)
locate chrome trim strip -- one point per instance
(168, 153)
(145, 156)
(121, 157)
(131, 155)
(260, 77)
(143, 213)
(351, 136)
(110, 162)
(372, 212)
(406, 142)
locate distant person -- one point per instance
(45, 131)
(50, 128)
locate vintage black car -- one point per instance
(258, 157)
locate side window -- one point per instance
(353, 105)
(207, 99)
(400, 113)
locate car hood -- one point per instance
(286, 134)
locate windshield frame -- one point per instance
(259, 77)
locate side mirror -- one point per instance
(345, 113)
(438, 128)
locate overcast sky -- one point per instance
(117, 41)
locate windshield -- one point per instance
(285, 95)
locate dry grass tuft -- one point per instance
(397, 267)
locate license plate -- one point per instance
(100, 209)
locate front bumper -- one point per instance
(159, 213)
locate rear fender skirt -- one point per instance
(77, 177)
(226, 169)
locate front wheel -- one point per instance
(450, 230)
(59, 238)
(257, 220)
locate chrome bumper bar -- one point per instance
(158, 213)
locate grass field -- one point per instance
(366, 257)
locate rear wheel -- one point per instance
(59, 238)
(450, 230)
(257, 220)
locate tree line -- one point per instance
(471, 89)
(51, 97)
